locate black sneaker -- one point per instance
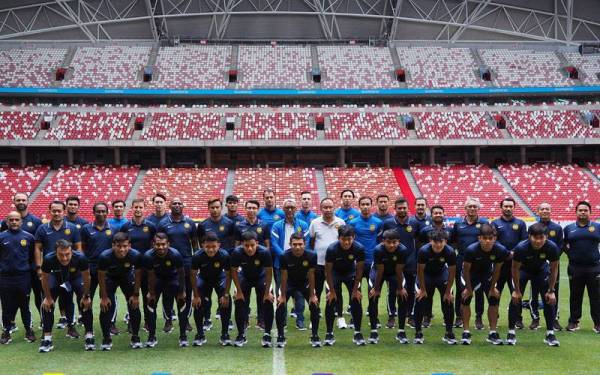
(511, 339)
(572, 327)
(315, 342)
(183, 341)
(551, 340)
(378, 324)
(358, 339)
(419, 338)
(426, 322)
(72, 332)
(6, 338)
(188, 327)
(281, 341)
(207, 325)
(62, 323)
(90, 344)
(199, 340)
(391, 323)
(168, 328)
(557, 326)
(329, 339)
(106, 344)
(373, 337)
(135, 343)
(535, 324)
(519, 324)
(466, 338)
(411, 322)
(225, 340)
(401, 337)
(449, 338)
(266, 341)
(114, 331)
(13, 327)
(240, 340)
(29, 335)
(151, 342)
(458, 323)
(494, 338)
(46, 346)
(479, 323)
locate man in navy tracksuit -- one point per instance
(536, 260)
(16, 258)
(66, 272)
(581, 245)
(231, 202)
(72, 215)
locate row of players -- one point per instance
(581, 241)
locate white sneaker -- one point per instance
(341, 323)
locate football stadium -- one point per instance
(300, 186)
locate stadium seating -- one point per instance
(365, 125)
(89, 182)
(92, 125)
(192, 66)
(286, 182)
(356, 67)
(523, 68)
(29, 67)
(363, 181)
(560, 185)
(588, 64)
(193, 185)
(184, 126)
(275, 126)
(274, 66)
(438, 67)
(108, 67)
(455, 125)
(451, 185)
(548, 124)
(18, 125)
(18, 180)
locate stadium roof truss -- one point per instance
(562, 21)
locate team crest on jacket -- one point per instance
(305, 263)
(217, 265)
(23, 242)
(394, 258)
(168, 263)
(515, 226)
(127, 265)
(350, 257)
(259, 230)
(372, 228)
(257, 262)
(478, 225)
(442, 259)
(78, 226)
(350, 217)
(29, 224)
(542, 256)
(492, 257)
(591, 229)
(552, 233)
(276, 217)
(108, 232)
(72, 269)
(221, 228)
(145, 229)
(409, 228)
(67, 231)
(186, 225)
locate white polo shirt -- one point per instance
(324, 235)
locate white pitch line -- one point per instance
(278, 361)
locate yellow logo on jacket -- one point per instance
(552, 233)
(257, 262)
(217, 265)
(515, 227)
(409, 228)
(259, 230)
(221, 228)
(305, 263)
(591, 229)
(67, 231)
(145, 229)
(108, 232)
(372, 228)
(23, 242)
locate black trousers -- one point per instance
(166, 289)
(281, 313)
(14, 294)
(539, 285)
(579, 280)
(431, 284)
(66, 291)
(135, 316)
(355, 306)
(206, 289)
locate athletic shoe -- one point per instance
(6, 338)
(373, 337)
(106, 344)
(358, 339)
(572, 327)
(519, 324)
(418, 338)
(183, 341)
(391, 323)
(13, 327)
(168, 328)
(351, 324)
(188, 327)
(494, 338)
(135, 343)
(29, 335)
(449, 338)
(426, 322)
(535, 324)
(511, 339)
(46, 346)
(145, 327)
(225, 340)
(90, 344)
(479, 323)
(72, 332)
(551, 340)
(266, 341)
(597, 329)
(199, 340)
(458, 323)
(466, 338)
(411, 322)
(230, 325)
(557, 326)
(293, 314)
(401, 337)
(62, 323)
(341, 323)
(207, 325)
(281, 341)
(260, 324)
(151, 342)
(300, 326)
(315, 342)
(240, 341)
(378, 324)
(126, 318)
(114, 331)
(329, 339)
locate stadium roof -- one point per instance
(563, 21)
